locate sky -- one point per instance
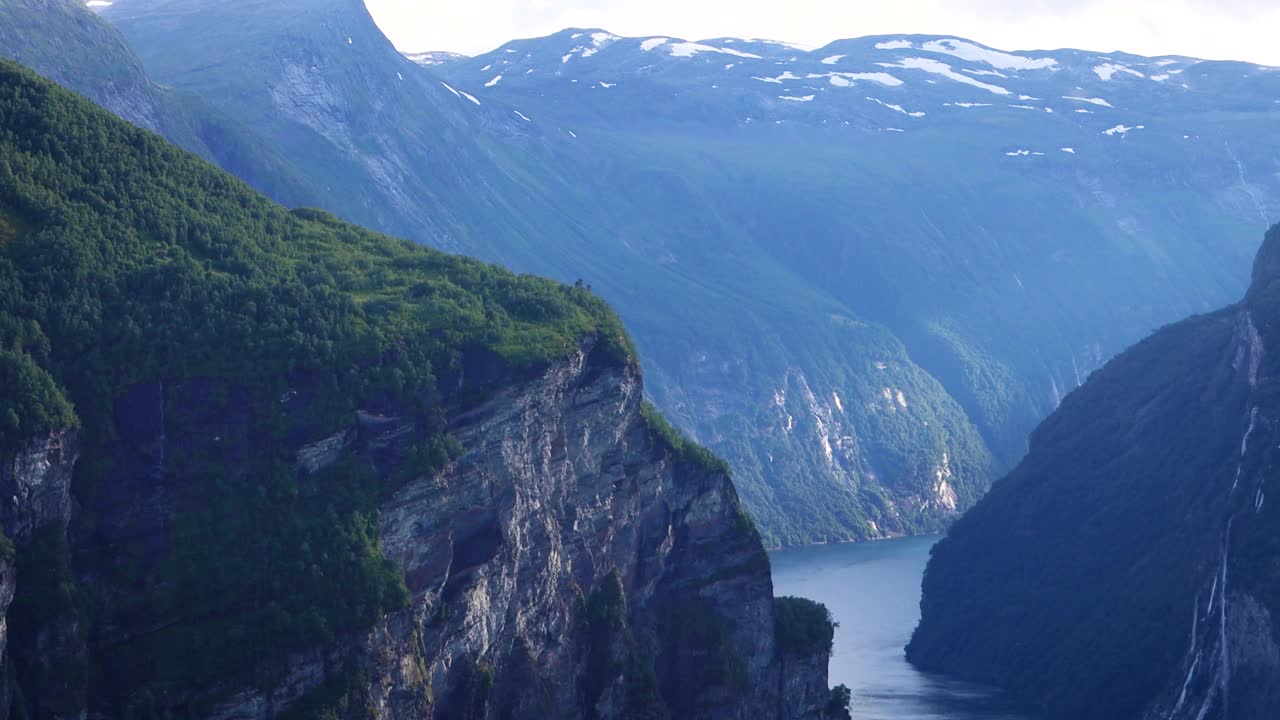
(1212, 29)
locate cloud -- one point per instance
(1215, 29)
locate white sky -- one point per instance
(1215, 29)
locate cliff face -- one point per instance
(1127, 569)
(35, 484)
(568, 565)
(323, 473)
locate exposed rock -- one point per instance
(568, 565)
(35, 485)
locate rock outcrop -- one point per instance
(570, 564)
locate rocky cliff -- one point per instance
(569, 564)
(1128, 568)
(263, 464)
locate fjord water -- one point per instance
(873, 590)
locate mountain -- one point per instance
(1130, 566)
(261, 463)
(73, 47)
(862, 288)
(991, 209)
(788, 382)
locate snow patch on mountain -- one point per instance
(651, 43)
(1122, 130)
(994, 58)
(781, 43)
(895, 45)
(897, 108)
(832, 60)
(1093, 101)
(792, 98)
(460, 94)
(689, 49)
(940, 68)
(847, 79)
(497, 79)
(787, 75)
(1110, 70)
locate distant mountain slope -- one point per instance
(833, 431)
(863, 287)
(264, 464)
(995, 210)
(1130, 566)
(63, 41)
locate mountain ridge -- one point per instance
(266, 464)
(844, 299)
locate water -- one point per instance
(873, 590)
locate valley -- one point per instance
(839, 309)
(609, 377)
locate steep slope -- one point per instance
(996, 211)
(1128, 567)
(798, 237)
(833, 431)
(61, 40)
(261, 463)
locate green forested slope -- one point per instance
(63, 41)
(124, 262)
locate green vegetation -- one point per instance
(335, 700)
(802, 626)
(138, 263)
(838, 706)
(686, 450)
(48, 588)
(31, 403)
(46, 596)
(722, 252)
(707, 646)
(471, 696)
(613, 653)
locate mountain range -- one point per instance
(861, 273)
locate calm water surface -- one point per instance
(873, 590)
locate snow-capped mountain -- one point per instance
(1014, 218)
(861, 273)
(874, 84)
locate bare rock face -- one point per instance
(564, 496)
(570, 564)
(35, 495)
(35, 485)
